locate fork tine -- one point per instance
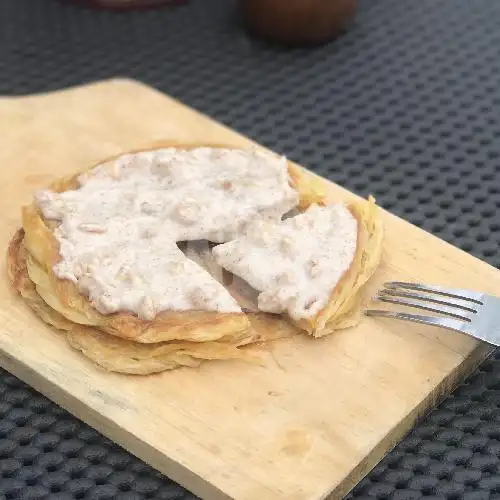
(418, 304)
(445, 301)
(448, 323)
(448, 292)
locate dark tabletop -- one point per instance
(405, 105)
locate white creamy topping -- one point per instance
(295, 263)
(118, 230)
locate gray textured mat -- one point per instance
(405, 106)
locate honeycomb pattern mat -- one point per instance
(404, 105)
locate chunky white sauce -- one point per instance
(295, 263)
(118, 230)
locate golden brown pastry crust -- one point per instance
(125, 343)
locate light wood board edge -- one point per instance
(405, 426)
(195, 483)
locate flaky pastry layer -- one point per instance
(125, 356)
(125, 343)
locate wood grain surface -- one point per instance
(307, 425)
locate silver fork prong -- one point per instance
(417, 304)
(448, 323)
(435, 299)
(448, 292)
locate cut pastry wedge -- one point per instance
(312, 266)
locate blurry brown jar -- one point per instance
(299, 21)
(126, 4)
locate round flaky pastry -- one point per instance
(124, 342)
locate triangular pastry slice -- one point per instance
(312, 266)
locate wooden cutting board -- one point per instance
(308, 425)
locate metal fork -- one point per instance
(476, 314)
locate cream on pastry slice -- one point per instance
(296, 263)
